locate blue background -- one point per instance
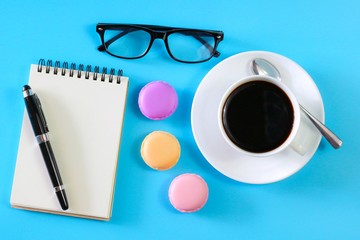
(322, 201)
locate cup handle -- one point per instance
(299, 144)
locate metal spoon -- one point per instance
(261, 66)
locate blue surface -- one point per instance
(322, 201)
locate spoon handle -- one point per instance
(334, 140)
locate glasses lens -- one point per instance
(127, 42)
(191, 46)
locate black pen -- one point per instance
(41, 130)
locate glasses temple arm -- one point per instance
(206, 44)
(102, 47)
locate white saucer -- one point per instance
(227, 160)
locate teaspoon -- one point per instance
(263, 67)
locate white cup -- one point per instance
(289, 141)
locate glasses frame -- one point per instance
(157, 32)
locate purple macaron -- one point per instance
(157, 100)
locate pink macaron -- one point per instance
(188, 193)
(157, 100)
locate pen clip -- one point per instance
(41, 114)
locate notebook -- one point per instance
(84, 109)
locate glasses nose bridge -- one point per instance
(159, 34)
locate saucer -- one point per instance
(231, 162)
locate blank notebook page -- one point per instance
(85, 119)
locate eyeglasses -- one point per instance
(131, 41)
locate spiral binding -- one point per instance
(80, 70)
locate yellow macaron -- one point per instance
(160, 150)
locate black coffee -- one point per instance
(258, 116)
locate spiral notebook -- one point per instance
(84, 109)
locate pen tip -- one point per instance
(26, 87)
(63, 200)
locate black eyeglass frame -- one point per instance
(157, 32)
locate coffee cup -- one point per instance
(259, 116)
